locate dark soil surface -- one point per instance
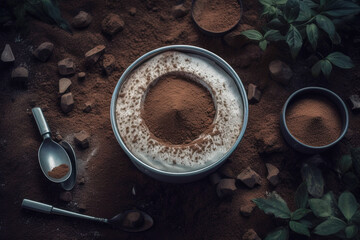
(186, 211)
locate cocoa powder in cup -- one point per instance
(177, 110)
(216, 15)
(59, 171)
(314, 121)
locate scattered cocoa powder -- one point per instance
(59, 171)
(314, 121)
(177, 110)
(216, 15)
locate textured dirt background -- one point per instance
(187, 211)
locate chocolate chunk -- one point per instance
(254, 93)
(355, 103)
(247, 209)
(87, 106)
(225, 188)
(82, 20)
(64, 84)
(108, 63)
(112, 24)
(93, 55)
(179, 11)
(132, 11)
(7, 55)
(82, 139)
(280, 72)
(44, 51)
(20, 76)
(273, 174)
(67, 102)
(66, 67)
(249, 177)
(251, 235)
(81, 76)
(66, 196)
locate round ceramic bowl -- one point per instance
(179, 177)
(211, 33)
(316, 91)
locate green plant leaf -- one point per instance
(305, 12)
(331, 200)
(299, 228)
(340, 60)
(294, 40)
(300, 213)
(325, 24)
(307, 223)
(337, 8)
(348, 204)
(292, 10)
(322, 3)
(355, 155)
(266, 2)
(344, 163)
(273, 35)
(335, 39)
(351, 231)
(326, 68)
(253, 35)
(330, 226)
(275, 23)
(46, 11)
(316, 69)
(350, 180)
(263, 44)
(301, 196)
(275, 205)
(280, 2)
(356, 217)
(311, 4)
(314, 179)
(312, 33)
(271, 11)
(279, 234)
(320, 208)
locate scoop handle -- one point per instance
(48, 209)
(41, 122)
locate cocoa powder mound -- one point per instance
(59, 171)
(177, 110)
(217, 15)
(314, 121)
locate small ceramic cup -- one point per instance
(316, 91)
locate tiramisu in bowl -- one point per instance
(178, 112)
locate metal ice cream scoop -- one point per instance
(50, 154)
(129, 221)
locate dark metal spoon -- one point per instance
(50, 154)
(138, 221)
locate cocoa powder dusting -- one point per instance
(177, 110)
(216, 15)
(314, 121)
(59, 171)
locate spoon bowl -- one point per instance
(51, 155)
(140, 223)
